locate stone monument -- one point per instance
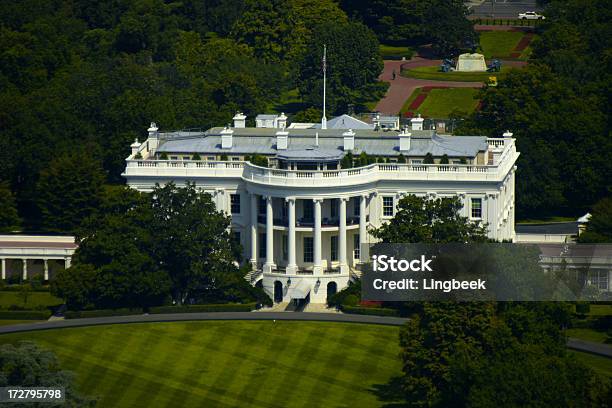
(471, 62)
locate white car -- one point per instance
(530, 15)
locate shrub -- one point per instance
(196, 157)
(444, 159)
(350, 300)
(371, 311)
(428, 159)
(224, 307)
(163, 156)
(583, 308)
(24, 314)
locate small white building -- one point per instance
(302, 220)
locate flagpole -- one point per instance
(324, 119)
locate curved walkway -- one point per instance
(576, 344)
(180, 317)
(402, 87)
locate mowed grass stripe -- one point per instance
(258, 375)
(163, 358)
(230, 363)
(334, 360)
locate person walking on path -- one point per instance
(393, 75)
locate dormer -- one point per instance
(239, 120)
(417, 123)
(282, 140)
(404, 141)
(227, 138)
(349, 140)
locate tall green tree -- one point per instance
(353, 66)
(69, 191)
(9, 218)
(599, 227)
(419, 219)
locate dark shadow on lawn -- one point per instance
(390, 393)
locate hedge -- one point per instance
(69, 314)
(373, 311)
(24, 314)
(226, 307)
(17, 288)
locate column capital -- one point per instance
(344, 199)
(290, 199)
(268, 197)
(317, 200)
(461, 194)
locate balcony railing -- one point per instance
(343, 177)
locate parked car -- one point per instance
(530, 15)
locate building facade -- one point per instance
(303, 211)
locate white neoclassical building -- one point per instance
(302, 219)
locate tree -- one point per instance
(26, 365)
(444, 159)
(347, 161)
(192, 240)
(9, 219)
(599, 227)
(353, 65)
(69, 191)
(438, 220)
(428, 159)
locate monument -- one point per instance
(471, 62)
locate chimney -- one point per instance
(417, 123)
(226, 138)
(376, 121)
(282, 140)
(239, 120)
(508, 134)
(152, 130)
(281, 121)
(404, 141)
(135, 146)
(349, 140)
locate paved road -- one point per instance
(503, 8)
(178, 317)
(581, 345)
(401, 87)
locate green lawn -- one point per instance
(395, 52)
(500, 44)
(601, 365)
(600, 310)
(220, 364)
(434, 73)
(587, 334)
(12, 322)
(35, 299)
(440, 103)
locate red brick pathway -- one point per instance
(401, 87)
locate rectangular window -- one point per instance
(387, 206)
(285, 210)
(308, 249)
(235, 158)
(235, 201)
(334, 248)
(416, 161)
(262, 245)
(210, 158)
(262, 206)
(476, 207)
(308, 210)
(356, 247)
(599, 278)
(236, 237)
(334, 208)
(186, 158)
(357, 207)
(173, 157)
(285, 246)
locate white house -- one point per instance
(302, 219)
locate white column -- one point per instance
(318, 264)
(46, 269)
(362, 225)
(67, 263)
(269, 265)
(25, 269)
(292, 264)
(342, 237)
(254, 222)
(3, 266)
